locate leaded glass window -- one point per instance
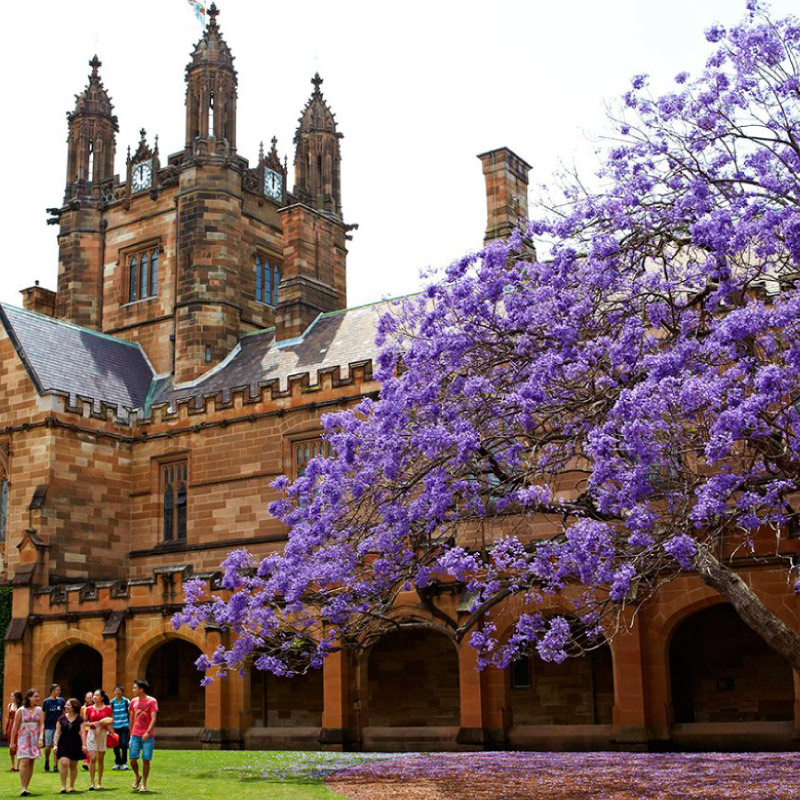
(3, 506)
(143, 274)
(174, 479)
(267, 279)
(305, 451)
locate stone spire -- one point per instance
(211, 92)
(317, 160)
(212, 48)
(92, 137)
(94, 99)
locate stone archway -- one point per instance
(722, 671)
(579, 691)
(79, 669)
(413, 681)
(278, 702)
(175, 682)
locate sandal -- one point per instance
(135, 784)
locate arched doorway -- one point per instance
(412, 681)
(722, 671)
(175, 682)
(286, 702)
(579, 691)
(78, 670)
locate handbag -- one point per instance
(112, 739)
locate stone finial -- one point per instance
(317, 81)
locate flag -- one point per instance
(199, 10)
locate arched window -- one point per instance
(154, 273)
(144, 283)
(267, 279)
(133, 282)
(268, 284)
(90, 166)
(3, 505)
(174, 479)
(211, 115)
(143, 273)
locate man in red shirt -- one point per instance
(143, 714)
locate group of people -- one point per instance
(76, 733)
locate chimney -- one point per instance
(506, 195)
(37, 298)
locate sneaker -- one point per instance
(123, 766)
(47, 767)
(116, 766)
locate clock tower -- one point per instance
(187, 255)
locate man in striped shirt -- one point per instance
(121, 705)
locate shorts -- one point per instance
(96, 743)
(138, 746)
(49, 733)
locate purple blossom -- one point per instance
(578, 429)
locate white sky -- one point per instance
(419, 89)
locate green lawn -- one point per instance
(203, 774)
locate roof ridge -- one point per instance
(64, 323)
(367, 305)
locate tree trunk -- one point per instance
(779, 636)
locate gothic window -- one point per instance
(90, 166)
(154, 272)
(174, 479)
(133, 281)
(267, 279)
(3, 505)
(306, 450)
(142, 273)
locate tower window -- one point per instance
(211, 115)
(267, 279)
(174, 479)
(142, 274)
(90, 165)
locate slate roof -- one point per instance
(61, 357)
(335, 339)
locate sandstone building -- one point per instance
(198, 331)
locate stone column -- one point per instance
(336, 717)
(225, 704)
(472, 733)
(630, 720)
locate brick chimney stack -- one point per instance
(37, 298)
(506, 194)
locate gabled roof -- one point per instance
(62, 357)
(335, 339)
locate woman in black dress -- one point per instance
(68, 743)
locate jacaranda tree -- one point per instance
(620, 413)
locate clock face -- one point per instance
(273, 184)
(142, 176)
